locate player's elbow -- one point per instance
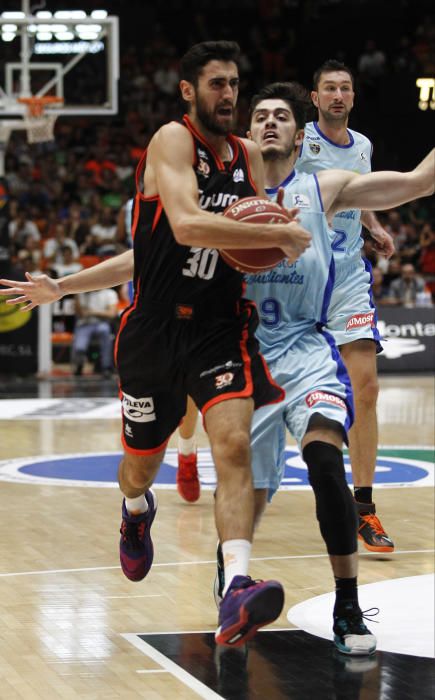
(183, 229)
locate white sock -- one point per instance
(136, 505)
(236, 555)
(186, 446)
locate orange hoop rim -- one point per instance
(35, 105)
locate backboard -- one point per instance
(69, 54)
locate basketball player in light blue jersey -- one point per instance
(292, 301)
(329, 143)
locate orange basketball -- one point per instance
(255, 210)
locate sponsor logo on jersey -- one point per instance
(314, 148)
(138, 410)
(360, 320)
(349, 214)
(220, 199)
(322, 397)
(127, 430)
(203, 168)
(239, 175)
(228, 365)
(223, 380)
(300, 200)
(183, 312)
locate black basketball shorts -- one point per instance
(163, 357)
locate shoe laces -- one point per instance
(351, 620)
(374, 523)
(132, 533)
(240, 586)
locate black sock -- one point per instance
(363, 494)
(345, 589)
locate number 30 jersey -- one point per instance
(293, 298)
(170, 273)
(318, 152)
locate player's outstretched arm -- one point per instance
(45, 290)
(386, 189)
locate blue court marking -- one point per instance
(101, 469)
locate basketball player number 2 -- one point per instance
(270, 312)
(202, 263)
(337, 244)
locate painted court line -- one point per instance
(190, 681)
(204, 561)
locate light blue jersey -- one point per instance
(318, 152)
(303, 359)
(292, 298)
(352, 315)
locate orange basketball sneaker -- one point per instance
(187, 477)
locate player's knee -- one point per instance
(335, 507)
(233, 449)
(138, 471)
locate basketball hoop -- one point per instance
(38, 123)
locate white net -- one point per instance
(40, 129)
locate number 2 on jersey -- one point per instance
(337, 243)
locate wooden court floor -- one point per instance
(65, 604)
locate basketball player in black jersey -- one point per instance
(189, 330)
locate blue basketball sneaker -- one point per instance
(136, 549)
(247, 606)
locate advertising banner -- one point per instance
(18, 340)
(408, 339)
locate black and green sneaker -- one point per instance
(351, 636)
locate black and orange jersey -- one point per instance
(170, 273)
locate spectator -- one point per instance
(98, 164)
(53, 247)
(410, 250)
(371, 63)
(379, 289)
(427, 256)
(95, 312)
(103, 232)
(396, 228)
(65, 263)
(20, 228)
(393, 270)
(405, 289)
(166, 77)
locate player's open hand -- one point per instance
(36, 291)
(299, 241)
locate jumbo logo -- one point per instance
(11, 317)
(360, 320)
(323, 397)
(138, 410)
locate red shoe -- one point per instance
(187, 477)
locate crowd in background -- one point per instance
(66, 197)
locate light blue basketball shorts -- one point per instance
(352, 313)
(315, 380)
